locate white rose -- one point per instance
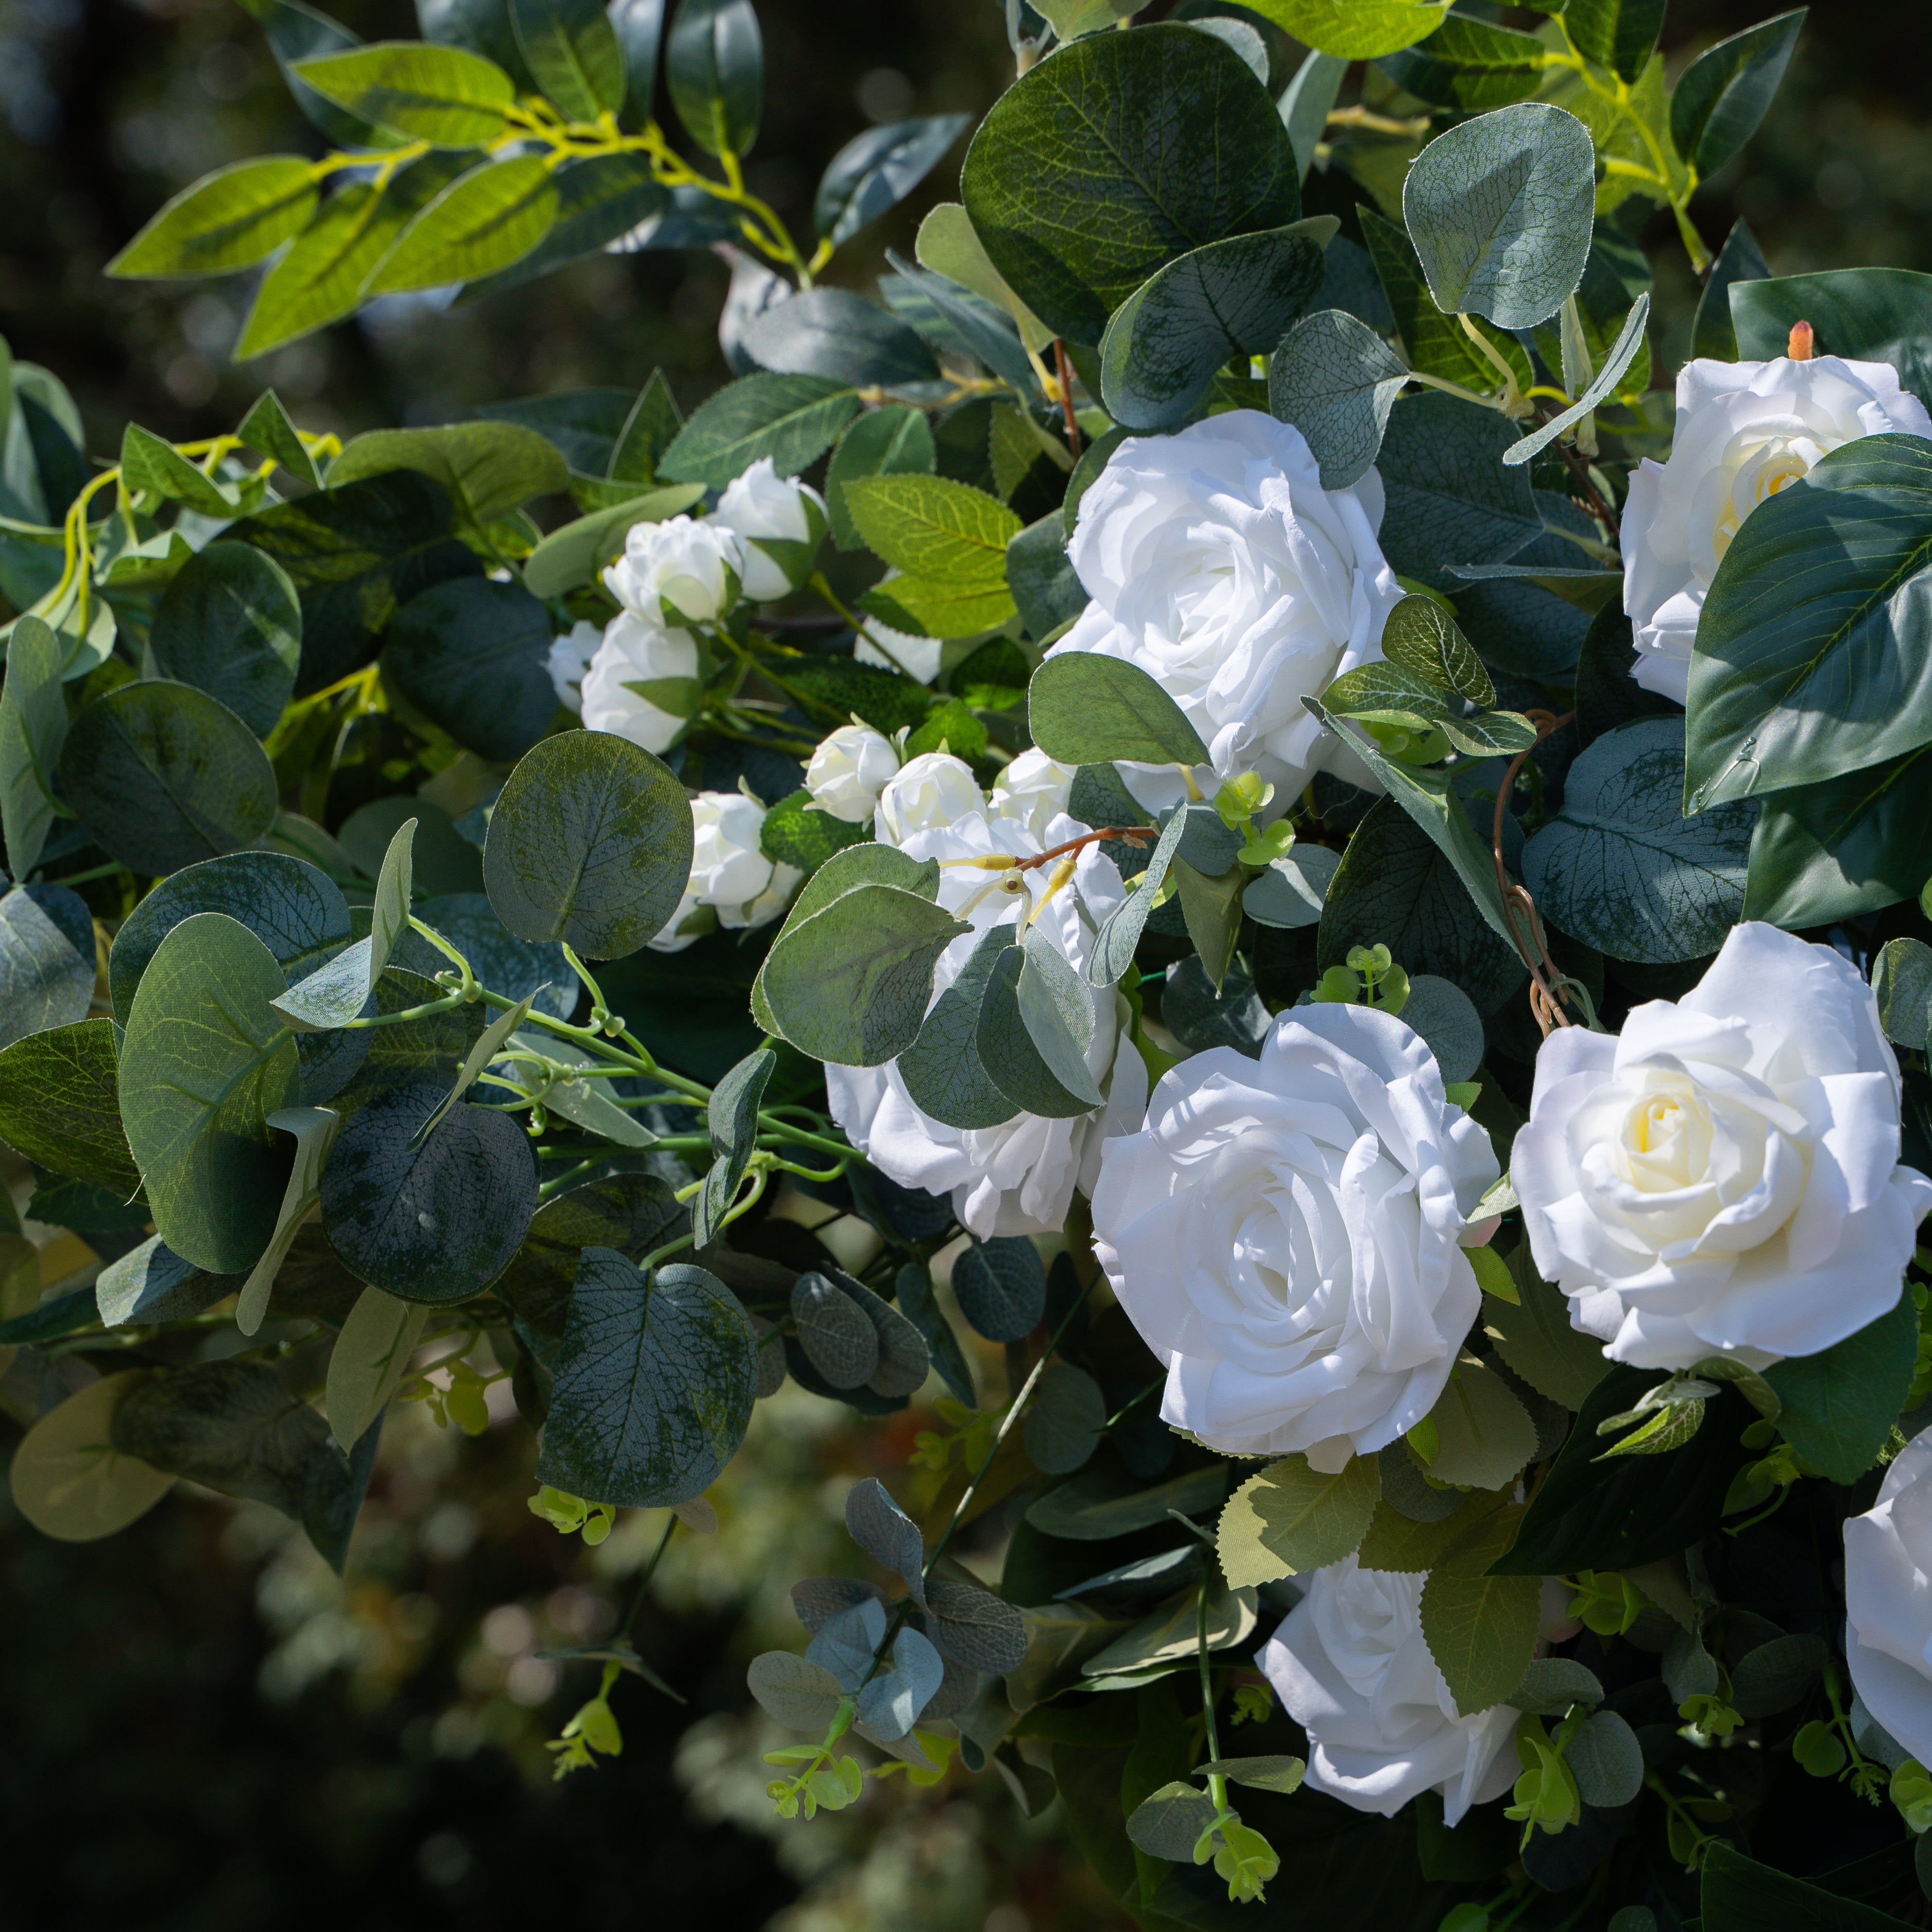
(1017, 1178)
(917, 657)
(1218, 564)
(570, 657)
(1285, 1233)
(643, 682)
(679, 571)
(1722, 1177)
(1744, 430)
(1888, 1599)
(781, 521)
(731, 879)
(927, 793)
(848, 772)
(1034, 789)
(1351, 1665)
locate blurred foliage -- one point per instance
(205, 1729)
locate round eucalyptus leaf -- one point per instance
(230, 624)
(837, 1338)
(590, 843)
(235, 1427)
(46, 960)
(472, 656)
(1066, 1421)
(1290, 893)
(60, 1105)
(442, 861)
(162, 775)
(205, 1063)
(654, 1383)
(1001, 1287)
(631, 1212)
(1335, 380)
(1450, 1027)
(1607, 1761)
(68, 1479)
(433, 1220)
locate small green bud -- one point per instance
(1912, 1792)
(1246, 1860)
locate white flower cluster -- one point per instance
(732, 884)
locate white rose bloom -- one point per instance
(917, 657)
(1722, 1177)
(570, 657)
(1351, 1665)
(927, 793)
(1285, 1235)
(678, 570)
(730, 876)
(1744, 430)
(848, 772)
(1218, 564)
(635, 653)
(764, 508)
(1888, 1599)
(1034, 789)
(1018, 1178)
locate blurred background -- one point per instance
(200, 1727)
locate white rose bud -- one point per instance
(678, 572)
(1722, 1177)
(1744, 430)
(643, 683)
(848, 772)
(1888, 1599)
(1218, 564)
(1285, 1233)
(916, 656)
(1034, 789)
(931, 791)
(1352, 1666)
(781, 522)
(731, 878)
(1018, 1177)
(570, 657)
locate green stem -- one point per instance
(1217, 1785)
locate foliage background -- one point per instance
(202, 1728)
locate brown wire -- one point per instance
(1546, 997)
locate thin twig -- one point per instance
(1063, 371)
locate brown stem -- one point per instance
(1134, 834)
(1546, 995)
(1063, 371)
(1593, 498)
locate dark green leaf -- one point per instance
(233, 1426)
(590, 843)
(1873, 315)
(1713, 335)
(732, 1115)
(654, 1384)
(230, 624)
(1001, 1287)
(943, 1070)
(875, 170)
(572, 50)
(488, 468)
(1046, 590)
(834, 333)
(1449, 499)
(33, 731)
(1607, 696)
(837, 1338)
(355, 554)
(1469, 64)
(1740, 1895)
(471, 655)
(1607, 1761)
(205, 1063)
(1066, 1421)
(1098, 167)
(1839, 1406)
(1722, 95)
(795, 832)
(639, 26)
(715, 67)
(1433, 343)
(162, 775)
(60, 1105)
(152, 1283)
(297, 32)
(1084, 709)
(892, 441)
(1166, 342)
(1536, 1339)
(631, 1213)
(1103, 1502)
(792, 419)
(916, 1299)
(1010, 1054)
(434, 1221)
(954, 317)
(1621, 35)
(1622, 869)
(47, 960)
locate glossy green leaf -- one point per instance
(1100, 166)
(1356, 29)
(1290, 1519)
(600, 199)
(1814, 648)
(1469, 64)
(1720, 97)
(572, 50)
(1500, 210)
(836, 333)
(488, 468)
(1713, 334)
(268, 428)
(471, 655)
(230, 624)
(654, 1380)
(792, 419)
(60, 1105)
(1871, 315)
(227, 219)
(483, 221)
(435, 1220)
(33, 732)
(877, 170)
(205, 1062)
(1621, 868)
(1839, 1406)
(1619, 35)
(444, 95)
(162, 775)
(69, 1480)
(1168, 340)
(152, 465)
(590, 843)
(715, 67)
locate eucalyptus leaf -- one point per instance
(1336, 380)
(1001, 1287)
(68, 1477)
(47, 960)
(33, 731)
